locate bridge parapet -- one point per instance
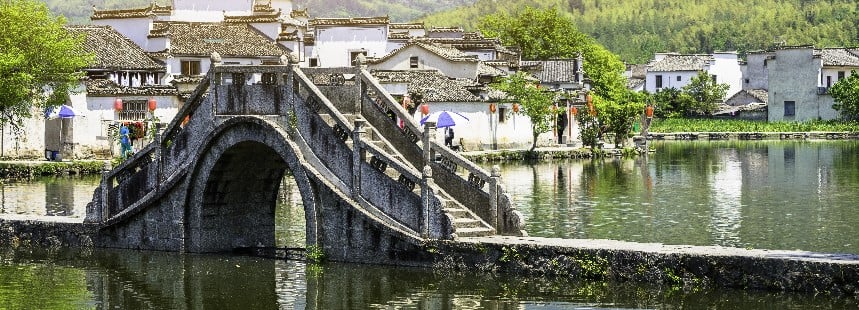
(491, 203)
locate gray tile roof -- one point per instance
(256, 17)
(553, 71)
(761, 95)
(444, 89)
(484, 69)
(405, 26)
(448, 53)
(113, 50)
(839, 57)
(102, 87)
(151, 10)
(676, 62)
(382, 20)
(228, 39)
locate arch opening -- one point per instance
(249, 200)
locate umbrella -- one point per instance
(63, 111)
(444, 119)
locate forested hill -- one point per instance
(635, 29)
(397, 10)
(79, 11)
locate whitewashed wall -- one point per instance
(136, 29)
(484, 129)
(669, 79)
(427, 61)
(334, 44)
(726, 68)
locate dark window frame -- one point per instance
(789, 108)
(190, 67)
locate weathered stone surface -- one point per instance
(695, 266)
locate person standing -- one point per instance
(448, 137)
(562, 125)
(124, 142)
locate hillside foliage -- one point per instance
(635, 29)
(79, 11)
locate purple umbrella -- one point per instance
(62, 111)
(444, 119)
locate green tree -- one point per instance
(706, 93)
(39, 60)
(536, 104)
(619, 116)
(845, 92)
(548, 33)
(671, 103)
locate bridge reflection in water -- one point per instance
(111, 279)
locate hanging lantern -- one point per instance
(492, 107)
(515, 108)
(425, 109)
(589, 99)
(152, 104)
(117, 104)
(648, 111)
(574, 111)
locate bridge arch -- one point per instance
(232, 191)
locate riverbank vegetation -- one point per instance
(28, 170)
(724, 125)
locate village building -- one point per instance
(672, 70)
(122, 72)
(799, 78)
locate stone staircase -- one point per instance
(465, 222)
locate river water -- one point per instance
(774, 195)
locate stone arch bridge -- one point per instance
(373, 192)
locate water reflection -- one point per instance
(123, 279)
(60, 197)
(772, 195)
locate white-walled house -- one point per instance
(799, 81)
(426, 56)
(338, 41)
(121, 70)
(671, 70)
(485, 130)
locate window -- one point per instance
(789, 108)
(840, 75)
(658, 81)
(413, 62)
(502, 114)
(713, 76)
(190, 67)
(747, 81)
(679, 78)
(134, 110)
(314, 62)
(828, 81)
(354, 55)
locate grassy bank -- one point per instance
(30, 169)
(718, 125)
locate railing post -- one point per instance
(106, 184)
(158, 156)
(361, 65)
(357, 157)
(428, 135)
(494, 182)
(427, 184)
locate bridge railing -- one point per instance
(312, 114)
(491, 203)
(392, 194)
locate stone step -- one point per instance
(467, 222)
(474, 232)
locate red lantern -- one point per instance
(425, 109)
(649, 111)
(117, 104)
(152, 104)
(492, 107)
(516, 108)
(574, 111)
(589, 99)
